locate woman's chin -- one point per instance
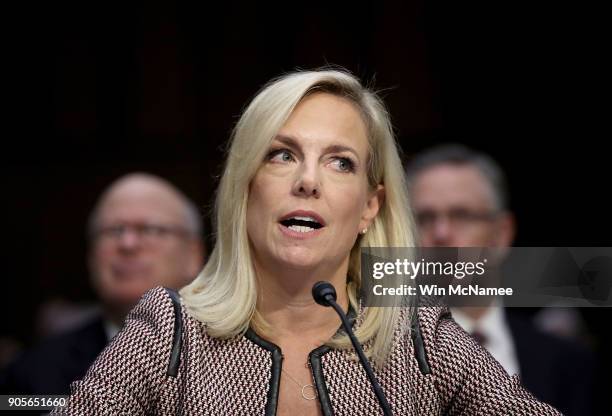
(301, 263)
(300, 258)
(323, 265)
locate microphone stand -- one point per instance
(325, 294)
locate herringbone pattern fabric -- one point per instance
(232, 377)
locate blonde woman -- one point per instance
(312, 175)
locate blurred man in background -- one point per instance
(143, 232)
(460, 199)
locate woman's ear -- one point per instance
(370, 210)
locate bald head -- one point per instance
(140, 189)
(144, 233)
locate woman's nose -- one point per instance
(307, 182)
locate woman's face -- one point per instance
(310, 198)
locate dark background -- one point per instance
(96, 89)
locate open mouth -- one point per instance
(301, 224)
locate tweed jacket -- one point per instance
(241, 376)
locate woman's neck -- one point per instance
(285, 303)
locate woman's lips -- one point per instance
(305, 214)
(299, 235)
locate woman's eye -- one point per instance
(343, 164)
(281, 155)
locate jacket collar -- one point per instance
(314, 358)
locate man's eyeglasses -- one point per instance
(146, 232)
(457, 218)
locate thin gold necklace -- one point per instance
(306, 389)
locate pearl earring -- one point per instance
(365, 230)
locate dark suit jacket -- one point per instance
(50, 367)
(555, 370)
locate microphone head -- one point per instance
(321, 291)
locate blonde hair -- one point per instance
(224, 295)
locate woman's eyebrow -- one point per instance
(287, 140)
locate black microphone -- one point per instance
(325, 294)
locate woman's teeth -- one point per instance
(301, 228)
